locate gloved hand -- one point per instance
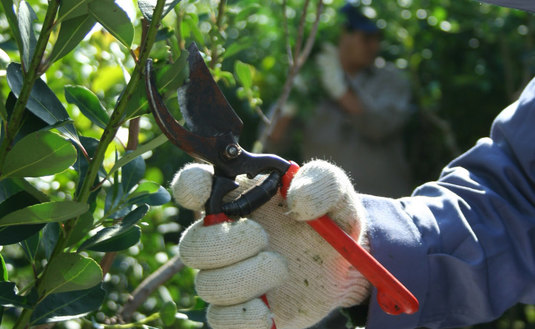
(274, 252)
(332, 75)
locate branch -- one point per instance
(219, 27)
(149, 285)
(301, 55)
(30, 76)
(116, 118)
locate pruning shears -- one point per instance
(213, 135)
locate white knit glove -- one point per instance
(274, 252)
(331, 73)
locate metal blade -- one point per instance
(204, 107)
(201, 147)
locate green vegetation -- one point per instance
(86, 220)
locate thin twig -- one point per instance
(301, 32)
(287, 34)
(218, 28)
(311, 37)
(292, 74)
(149, 285)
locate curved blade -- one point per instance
(203, 105)
(202, 147)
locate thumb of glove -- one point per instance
(192, 185)
(320, 188)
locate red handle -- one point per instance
(392, 295)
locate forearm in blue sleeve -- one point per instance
(464, 245)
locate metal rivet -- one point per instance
(232, 151)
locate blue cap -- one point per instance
(354, 20)
(528, 5)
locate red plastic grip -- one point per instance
(392, 295)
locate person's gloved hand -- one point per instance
(274, 252)
(332, 75)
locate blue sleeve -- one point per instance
(464, 245)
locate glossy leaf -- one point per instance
(88, 103)
(128, 157)
(16, 201)
(150, 193)
(72, 31)
(83, 225)
(8, 188)
(46, 212)
(70, 9)
(39, 154)
(9, 296)
(50, 238)
(26, 17)
(118, 242)
(3, 270)
(70, 272)
(147, 7)
(68, 305)
(82, 163)
(42, 102)
(168, 79)
(12, 20)
(113, 19)
(17, 233)
(29, 246)
(119, 236)
(132, 173)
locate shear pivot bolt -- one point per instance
(232, 151)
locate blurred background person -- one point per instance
(359, 122)
(360, 126)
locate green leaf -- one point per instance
(168, 77)
(127, 158)
(13, 21)
(88, 103)
(17, 233)
(118, 242)
(71, 33)
(9, 296)
(46, 212)
(42, 102)
(69, 272)
(3, 269)
(132, 173)
(119, 236)
(83, 225)
(168, 312)
(244, 72)
(190, 23)
(174, 75)
(239, 45)
(68, 305)
(26, 16)
(70, 9)
(147, 7)
(82, 163)
(114, 20)
(39, 154)
(29, 246)
(50, 238)
(150, 193)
